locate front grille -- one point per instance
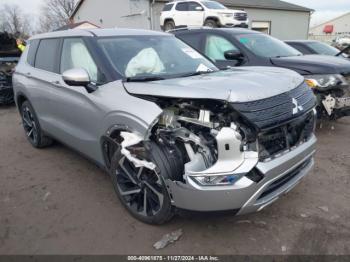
(283, 138)
(240, 16)
(284, 179)
(276, 110)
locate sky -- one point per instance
(324, 9)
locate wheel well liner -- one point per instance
(20, 100)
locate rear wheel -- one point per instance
(141, 190)
(32, 128)
(169, 25)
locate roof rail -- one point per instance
(188, 28)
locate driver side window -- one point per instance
(76, 55)
(216, 46)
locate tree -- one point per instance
(56, 13)
(14, 21)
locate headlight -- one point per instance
(325, 81)
(215, 180)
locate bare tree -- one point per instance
(56, 13)
(14, 21)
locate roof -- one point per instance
(75, 25)
(97, 32)
(330, 21)
(264, 4)
(301, 41)
(235, 30)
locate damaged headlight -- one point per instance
(325, 81)
(215, 180)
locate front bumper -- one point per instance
(280, 176)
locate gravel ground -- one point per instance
(53, 201)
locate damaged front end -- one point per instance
(7, 65)
(219, 157)
(333, 94)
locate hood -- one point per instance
(241, 84)
(314, 64)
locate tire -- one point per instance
(32, 127)
(147, 184)
(169, 25)
(211, 23)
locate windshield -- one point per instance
(323, 49)
(153, 57)
(213, 5)
(266, 46)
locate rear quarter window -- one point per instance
(33, 47)
(168, 7)
(47, 55)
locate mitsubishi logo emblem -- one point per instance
(296, 108)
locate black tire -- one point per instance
(169, 25)
(211, 23)
(32, 128)
(158, 206)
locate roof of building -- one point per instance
(330, 21)
(75, 25)
(99, 32)
(264, 4)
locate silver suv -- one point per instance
(170, 128)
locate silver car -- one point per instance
(172, 130)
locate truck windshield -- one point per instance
(213, 5)
(323, 49)
(266, 46)
(153, 57)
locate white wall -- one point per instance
(341, 26)
(115, 13)
(285, 25)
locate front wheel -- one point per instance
(211, 23)
(142, 191)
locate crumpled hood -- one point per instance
(241, 84)
(314, 64)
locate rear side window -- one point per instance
(168, 7)
(182, 7)
(47, 54)
(33, 46)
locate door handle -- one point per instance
(28, 74)
(56, 83)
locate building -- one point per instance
(335, 27)
(277, 18)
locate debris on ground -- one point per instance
(284, 248)
(304, 215)
(46, 196)
(324, 208)
(168, 239)
(261, 223)
(244, 222)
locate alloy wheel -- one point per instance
(141, 188)
(29, 125)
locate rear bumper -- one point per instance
(280, 176)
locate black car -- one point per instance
(313, 47)
(9, 56)
(328, 76)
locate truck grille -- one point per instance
(276, 110)
(240, 16)
(282, 139)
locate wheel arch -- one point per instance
(215, 18)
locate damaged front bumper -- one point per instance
(278, 177)
(339, 106)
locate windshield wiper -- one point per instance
(196, 73)
(343, 51)
(143, 78)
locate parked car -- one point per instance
(170, 128)
(313, 47)
(198, 13)
(9, 56)
(329, 77)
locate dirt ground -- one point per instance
(53, 201)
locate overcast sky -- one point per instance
(325, 9)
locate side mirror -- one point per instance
(233, 55)
(76, 77)
(199, 8)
